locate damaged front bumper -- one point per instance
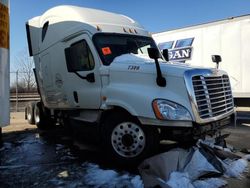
(186, 130)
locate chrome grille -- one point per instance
(213, 95)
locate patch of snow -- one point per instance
(98, 177)
(179, 180)
(128, 58)
(137, 182)
(182, 180)
(246, 157)
(209, 183)
(235, 168)
(63, 174)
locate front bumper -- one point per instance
(212, 127)
(185, 130)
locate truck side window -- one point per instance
(166, 45)
(44, 30)
(184, 42)
(79, 57)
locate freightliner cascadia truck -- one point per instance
(103, 72)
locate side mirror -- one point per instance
(165, 54)
(153, 53)
(216, 59)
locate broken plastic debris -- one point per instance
(169, 169)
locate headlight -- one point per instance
(167, 110)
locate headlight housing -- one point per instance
(167, 110)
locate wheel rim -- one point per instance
(128, 139)
(37, 116)
(29, 114)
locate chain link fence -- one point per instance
(22, 90)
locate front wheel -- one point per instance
(127, 140)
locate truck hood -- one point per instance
(143, 64)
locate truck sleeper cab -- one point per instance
(93, 68)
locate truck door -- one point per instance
(84, 83)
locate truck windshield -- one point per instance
(110, 46)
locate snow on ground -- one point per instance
(97, 177)
(91, 175)
(64, 170)
(235, 169)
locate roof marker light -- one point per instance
(135, 31)
(124, 30)
(130, 30)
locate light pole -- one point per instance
(4, 66)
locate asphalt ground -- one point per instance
(30, 157)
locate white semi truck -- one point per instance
(229, 38)
(103, 72)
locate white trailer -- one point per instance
(4, 65)
(228, 38)
(93, 70)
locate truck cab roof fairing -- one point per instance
(80, 19)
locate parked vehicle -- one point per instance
(93, 70)
(229, 38)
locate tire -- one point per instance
(128, 141)
(42, 120)
(30, 113)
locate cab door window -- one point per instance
(79, 57)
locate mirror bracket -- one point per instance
(216, 59)
(155, 54)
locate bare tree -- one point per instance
(25, 65)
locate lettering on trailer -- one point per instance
(179, 50)
(4, 26)
(180, 54)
